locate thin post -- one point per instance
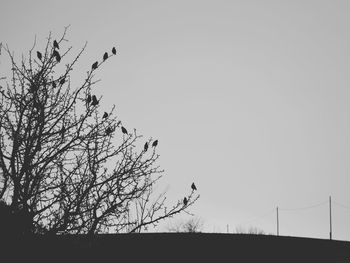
(278, 223)
(330, 217)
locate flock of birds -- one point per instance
(94, 102)
(194, 188)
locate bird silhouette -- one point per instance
(105, 56)
(114, 51)
(109, 131)
(56, 55)
(88, 99)
(53, 84)
(95, 65)
(55, 44)
(39, 55)
(94, 100)
(62, 81)
(105, 115)
(145, 148)
(63, 130)
(185, 201)
(193, 186)
(33, 88)
(124, 130)
(39, 146)
(155, 143)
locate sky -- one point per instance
(248, 99)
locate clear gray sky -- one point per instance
(249, 99)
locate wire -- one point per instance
(257, 217)
(339, 204)
(303, 208)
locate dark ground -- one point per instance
(176, 247)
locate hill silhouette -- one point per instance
(182, 247)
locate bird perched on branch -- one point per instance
(56, 55)
(114, 51)
(155, 143)
(124, 130)
(193, 186)
(62, 81)
(55, 44)
(39, 55)
(94, 100)
(95, 65)
(105, 115)
(109, 130)
(63, 130)
(185, 201)
(105, 56)
(145, 148)
(88, 99)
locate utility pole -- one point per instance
(330, 217)
(278, 223)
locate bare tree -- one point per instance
(251, 230)
(68, 166)
(192, 225)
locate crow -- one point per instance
(95, 65)
(185, 201)
(105, 115)
(124, 130)
(193, 186)
(88, 99)
(155, 143)
(94, 100)
(108, 130)
(33, 88)
(57, 55)
(145, 148)
(114, 51)
(39, 55)
(105, 56)
(55, 44)
(63, 130)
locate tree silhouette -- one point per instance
(192, 225)
(56, 163)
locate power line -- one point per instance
(341, 205)
(257, 217)
(304, 207)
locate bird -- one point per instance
(108, 130)
(62, 81)
(88, 99)
(55, 44)
(114, 51)
(57, 55)
(185, 201)
(145, 148)
(33, 88)
(94, 100)
(53, 84)
(193, 186)
(95, 65)
(38, 146)
(105, 56)
(63, 130)
(124, 130)
(105, 115)
(39, 55)
(155, 143)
